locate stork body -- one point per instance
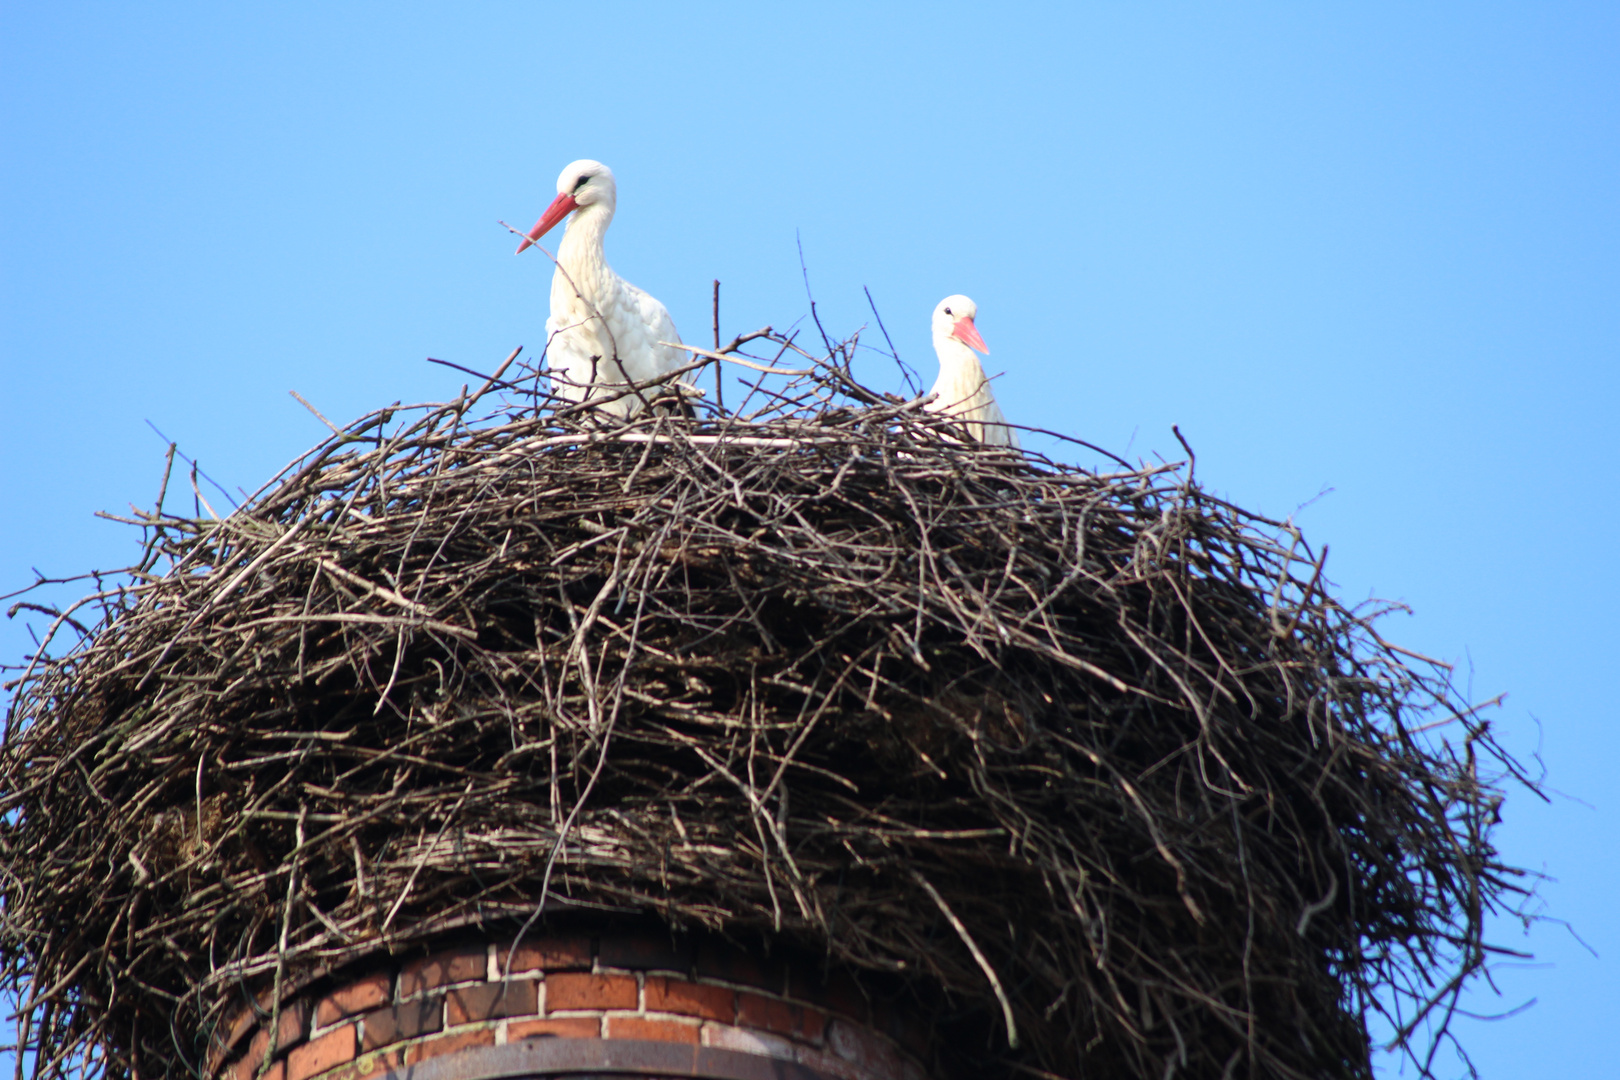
(603, 332)
(962, 390)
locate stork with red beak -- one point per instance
(962, 391)
(603, 333)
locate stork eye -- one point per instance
(948, 311)
(580, 182)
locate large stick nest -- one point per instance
(1090, 758)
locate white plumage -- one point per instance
(603, 331)
(962, 390)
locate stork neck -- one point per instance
(953, 354)
(581, 247)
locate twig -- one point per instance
(738, 360)
(333, 427)
(978, 956)
(194, 465)
(719, 382)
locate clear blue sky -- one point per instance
(1367, 247)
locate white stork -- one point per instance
(603, 331)
(962, 391)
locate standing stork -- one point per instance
(962, 391)
(603, 333)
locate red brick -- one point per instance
(471, 1004)
(327, 1052)
(228, 1034)
(248, 1068)
(375, 1064)
(590, 992)
(573, 1027)
(291, 1025)
(640, 1027)
(246, 1020)
(769, 1014)
(838, 993)
(448, 1044)
(367, 993)
(690, 999)
(457, 965)
(813, 1024)
(290, 1031)
(548, 954)
(405, 1021)
(644, 952)
(716, 960)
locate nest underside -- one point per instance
(1093, 760)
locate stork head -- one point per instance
(582, 183)
(953, 320)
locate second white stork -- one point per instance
(603, 333)
(962, 390)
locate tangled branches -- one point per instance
(1094, 764)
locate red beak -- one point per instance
(968, 334)
(560, 207)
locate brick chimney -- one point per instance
(622, 1004)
